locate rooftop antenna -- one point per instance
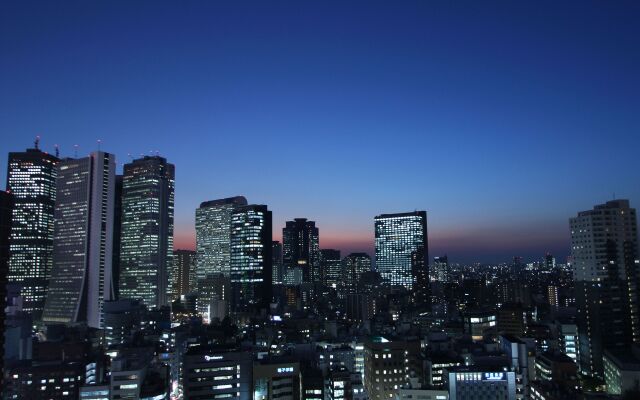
(37, 142)
(57, 150)
(75, 150)
(99, 143)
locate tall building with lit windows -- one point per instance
(81, 278)
(401, 240)
(213, 244)
(604, 247)
(184, 264)
(331, 267)
(301, 248)
(146, 239)
(353, 266)
(251, 257)
(31, 178)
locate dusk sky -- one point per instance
(500, 119)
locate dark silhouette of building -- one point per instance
(301, 248)
(6, 209)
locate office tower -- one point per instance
(301, 248)
(213, 243)
(82, 247)
(117, 231)
(278, 266)
(31, 178)
(604, 247)
(440, 269)
(420, 295)
(146, 247)
(397, 237)
(6, 210)
(184, 262)
(331, 267)
(251, 257)
(354, 265)
(216, 372)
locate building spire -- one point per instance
(36, 142)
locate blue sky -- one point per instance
(501, 119)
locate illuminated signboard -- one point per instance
(284, 370)
(493, 376)
(212, 358)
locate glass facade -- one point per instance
(31, 178)
(82, 246)
(355, 264)
(184, 268)
(146, 240)
(213, 243)
(331, 267)
(397, 239)
(251, 257)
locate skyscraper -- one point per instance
(331, 267)
(604, 247)
(184, 264)
(278, 267)
(251, 257)
(31, 178)
(354, 265)
(146, 247)
(81, 278)
(397, 237)
(301, 248)
(213, 244)
(117, 234)
(6, 207)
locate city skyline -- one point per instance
(489, 117)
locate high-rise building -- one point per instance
(117, 233)
(184, 264)
(146, 247)
(251, 258)
(440, 269)
(354, 265)
(331, 267)
(81, 278)
(604, 247)
(397, 239)
(213, 244)
(301, 248)
(6, 208)
(278, 266)
(31, 178)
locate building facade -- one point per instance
(146, 247)
(213, 244)
(184, 268)
(251, 257)
(301, 248)
(398, 237)
(81, 278)
(31, 178)
(604, 247)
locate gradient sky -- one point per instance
(501, 119)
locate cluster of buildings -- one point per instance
(99, 305)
